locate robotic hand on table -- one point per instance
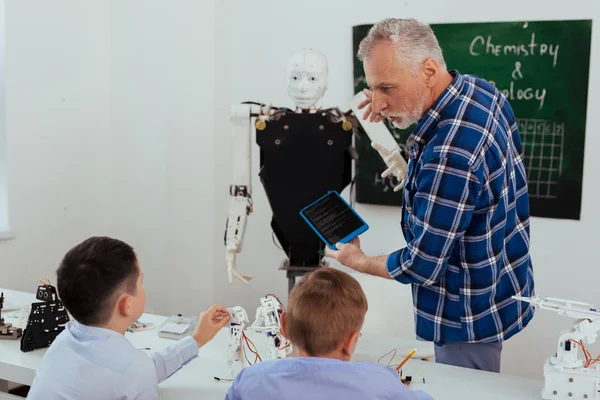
(267, 321)
(571, 373)
(304, 153)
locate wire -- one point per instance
(222, 379)
(282, 306)
(411, 364)
(280, 335)
(244, 351)
(138, 326)
(393, 356)
(589, 360)
(44, 283)
(418, 372)
(248, 342)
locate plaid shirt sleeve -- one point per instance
(445, 194)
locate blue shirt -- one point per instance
(93, 363)
(320, 378)
(465, 218)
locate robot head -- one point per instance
(307, 77)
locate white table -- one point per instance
(196, 379)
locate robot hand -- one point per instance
(231, 269)
(396, 164)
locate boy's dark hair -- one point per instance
(324, 308)
(93, 274)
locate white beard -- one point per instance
(408, 118)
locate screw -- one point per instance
(321, 128)
(555, 393)
(330, 142)
(277, 142)
(286, 127)
(585, 396)
(570, 394)
(570, 379)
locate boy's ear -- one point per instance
(349, 345)
(123, 305)
(283, 324)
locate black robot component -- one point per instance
(302, 157)
(47, 320)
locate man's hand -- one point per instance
(352, 256)
(210, 323)
(369, 111)
(348, 254)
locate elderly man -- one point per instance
(465, 215)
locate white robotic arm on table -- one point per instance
(306, 85)
(267, 321)
(571, 373)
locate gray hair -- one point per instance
(415, 42)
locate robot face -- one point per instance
(307, 77)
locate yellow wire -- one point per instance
(414, 366)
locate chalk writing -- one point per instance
(481, 45)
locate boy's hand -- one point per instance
(210, 323)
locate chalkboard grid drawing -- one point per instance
(542, 68)
(543, 145)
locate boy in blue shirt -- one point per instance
(325, 314)
(100, 283)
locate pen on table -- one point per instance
(412, 353)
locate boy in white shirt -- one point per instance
(100, 283)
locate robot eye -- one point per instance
(295, 78)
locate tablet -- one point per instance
(332, 218)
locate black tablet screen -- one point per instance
(333, 218)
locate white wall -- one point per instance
(3, 150)
(110, 131)
(57, 94)
(119, 97)
(255, 40)
(162, 146)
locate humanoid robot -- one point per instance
(235, 350)
(267, 321)
(304, 153)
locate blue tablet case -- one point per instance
(350, 235)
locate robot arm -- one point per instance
(382, 141)
(585, 331)
(241, 189)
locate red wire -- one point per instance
(589, 360)
(248, 342)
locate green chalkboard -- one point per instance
(542, 68)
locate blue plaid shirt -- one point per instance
(466, 218)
